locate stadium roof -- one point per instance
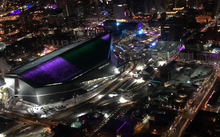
(44, 58)
(67, 63)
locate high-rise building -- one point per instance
(119, 1)
(142, 6)
(157, 5)
(172, 29)
(139, 6)
(171, 4)
(148, 5)
(120, 11)
(190, 3)
(212, 6)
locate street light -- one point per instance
(100, 96)
(140, 80)
(122, 100)
(1, 135)
(140, 32)
(140, 68)
(116, 71)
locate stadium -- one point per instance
(57, 76)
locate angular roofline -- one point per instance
(45, 58)
(17, 72)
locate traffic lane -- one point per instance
(84, 109)
(74, 112)
(76, 109)
(178, 128)
(201, 104)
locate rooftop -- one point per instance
(163, 46)
(67, 63)
(208, 123)
(113, 126)
(216, 51)
(215, 97)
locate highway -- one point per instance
(205, 92)
(12, 129)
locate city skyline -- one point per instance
(109, 68)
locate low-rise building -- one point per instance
(164, 50)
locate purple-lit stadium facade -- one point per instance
(54, 77)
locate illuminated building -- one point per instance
(120, 11)
(205, 123)
(172, 29)
(145, 6)
(212, 6)
(203, 19)
(142, 6)
(164, 50)
(204, 57)
(55, 76)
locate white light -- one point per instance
(117, 24)
(122, 100)
(100, 96)
(1, 135)
(106, 115)
(161, 63)
(43, 116)
(140, 68)
(131, 73)
(116, 71)
(139, 80)
(188, 81)
(95, 86)
(81, 114)
(112, 95)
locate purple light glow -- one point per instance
(16, 12)
(139, 26)
(121, 127)
(49, 72)
(106, 37)
(181, 48)
(214, 56)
